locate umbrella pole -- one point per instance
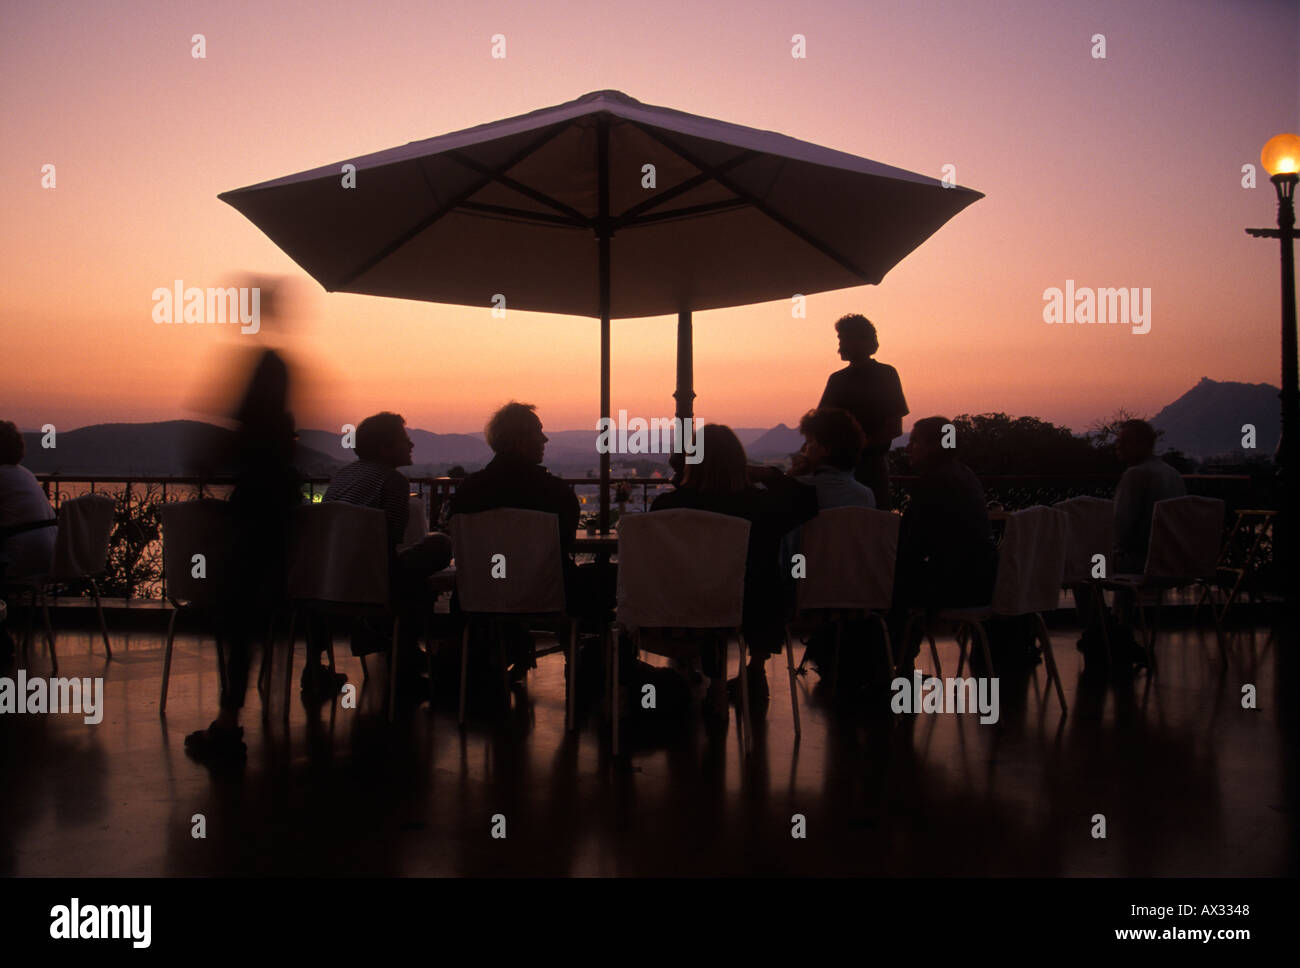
(602, 236)
(685, 392)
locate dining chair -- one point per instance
(680, 569)
(849, 555)
(509, 571)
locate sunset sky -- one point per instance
(1125, 171)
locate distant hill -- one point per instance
(431, 449)
(1206, 421)
(780, 441)
(167, 448)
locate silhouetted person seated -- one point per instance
(871, 392)
(515, 478)
(946, 554)
(27, 521)
(373, 481)
(832, 446)
(1147, 480)
(721, 482)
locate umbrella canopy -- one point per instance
(736, 216)
(603, 207)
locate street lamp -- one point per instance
(1281, 159)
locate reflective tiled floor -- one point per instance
(1188, 781)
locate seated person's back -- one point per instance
(26, 545)
(1147, 480)
(833, 443)
(514, 478)
(373, 480)
(946, 554)
(720, 483)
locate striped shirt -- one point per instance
(371, 484)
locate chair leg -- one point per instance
(934, 654)
(889, 647)
(501, 658)
(984, 645)
(1099, 595)
(264, 670)
(428, 656)
(103, 628)
(392, 668)
(167, 661)
(571, 687)
(907, 630)
(288, 666)
(613, 683)
(30, 632)
(744, 695)
(1218, 633)
(794, 697)
(49, 634)
(963, 638)
(464, 669)
(1050, 658)
(835, 667)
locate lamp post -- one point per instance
(1281, 159)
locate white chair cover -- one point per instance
(849, 556)
(191, 528)
(81, 545)
(681, 569)
(1092, 532)
(339, 553)
(1186, 535)
(417, 524)
(532, 569)
(1031, 561)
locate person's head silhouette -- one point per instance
(1135, 442)
(383, 438)
(722, 469)
(857, 338)
(516, 431)
(925, 448)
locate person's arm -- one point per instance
(396, 498)
(571, 515)
(892, 429)
(828, 395)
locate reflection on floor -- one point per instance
(1188, 781)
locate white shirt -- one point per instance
(22, 500)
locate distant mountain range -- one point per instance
(189, 447)
(1205, 421)
(167, 448)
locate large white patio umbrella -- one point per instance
(602, 207)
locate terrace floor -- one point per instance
(1189, 782)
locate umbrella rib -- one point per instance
(523, 214)
(451, 204)
(632, 213)
(705, 208)
(500, 177)
(777, 217)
